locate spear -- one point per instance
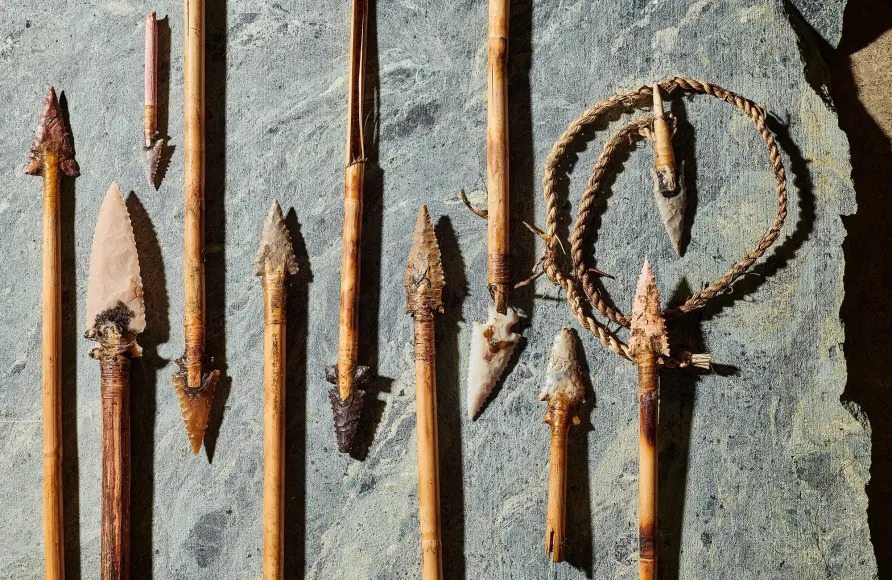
(194, 386)
(275, 259)
(424, 298)
(647, 345)
(150, 151)
(115, 315)
(492, 343)
(51, 156)
(347, 400)
(563, 391)
(669, 189)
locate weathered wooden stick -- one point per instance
(347, 400)
(497, 156)
(115, 315)
(563, 391)
(274, 260)
(51, 156)
(648, 343)
(153, 143)
(195, 387)
(424, 299)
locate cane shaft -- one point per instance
(559, 419)
(648, 399)
(428, 452)
(274, 426)
(52, 375)
(497, 155)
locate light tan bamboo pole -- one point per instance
(348, 403)
(424, 298)
(648, 343)
(150, 152)
(563, 391)
(275, 259)
(195, 386)
(274, 313)
(51, 156)
(497, 155)
(52, 370)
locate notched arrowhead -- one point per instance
(150, 159)
(424, 273)
(275, 244)
(346, 416)
(195, 404)
(52, 135)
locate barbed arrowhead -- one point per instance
(424, 272)
(150, 159)
(275, 244)
(52, 135)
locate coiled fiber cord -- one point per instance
(580, 286)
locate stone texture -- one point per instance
(762, 470)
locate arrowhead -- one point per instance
(52, 135)
(150, 158)
(424, 272)
(672, 212)
(114, 291)
(346, 416)
(492, 345)
(564, 376)
(648, 328)
(195, 405)
(275, 244)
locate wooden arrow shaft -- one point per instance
(274, 308)
(648, 400)
(348, 338)
(558, 418)
(150, 123)
(428, 451)
(115, 530)
(194, 168)
(497, 155)
(52, 371)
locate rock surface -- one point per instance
(762, 470)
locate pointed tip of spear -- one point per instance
(424, 272)
(275, 244)
(52, 135)
(195, 405)
(648, 328)
(150, 158)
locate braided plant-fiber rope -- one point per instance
(583, 287)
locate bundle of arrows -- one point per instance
(424, 299)
(115, 315)
(52, 156)
(493, 342)
(275, 260)
(347, 399)
(194, 385)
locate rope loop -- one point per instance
(581, 284)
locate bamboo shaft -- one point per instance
(497, 155)
(274, 297)
(648, 399)
(428, 452)
(555, 533)
(52, 375)
(353, 182)
(194, 161)
(115, 531)
(151, 79)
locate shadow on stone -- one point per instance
(296, 406)
(449, 403)
(144, 381)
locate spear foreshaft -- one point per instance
(194, 385)
(648, 343)
(52, 156)
(347, 401)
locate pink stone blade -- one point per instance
(114, 265)
(648, 328)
